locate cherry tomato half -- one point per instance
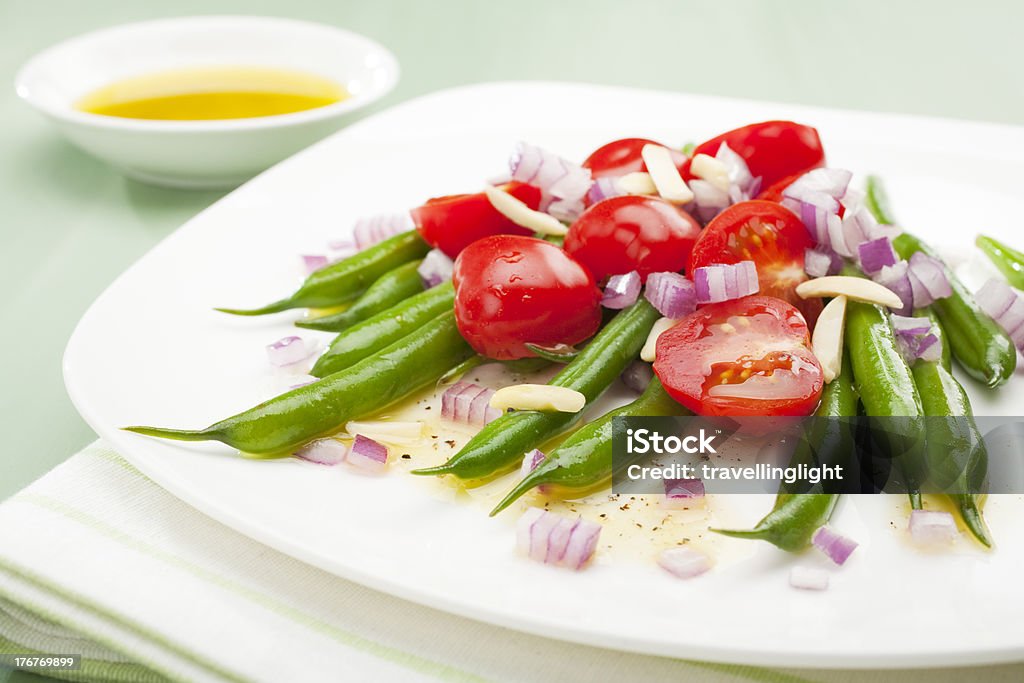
(620, 157)
(749, 356)
(772, 150)
(453, 222)
(511, 291)
(632, 232)
(772, 237)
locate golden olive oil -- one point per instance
(204, 94)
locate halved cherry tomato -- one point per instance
(620, 157)
(511, 291)
(632, 232)
(772, 237)
(772, 150)
(749, 356)
(453, 222)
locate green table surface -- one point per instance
(69, 225)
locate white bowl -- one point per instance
(202, 154)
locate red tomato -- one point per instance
(772, 150)
(749, 356)
(632, 232)
(453, 222)
(772, 237)
(511, 291)
(623, 156)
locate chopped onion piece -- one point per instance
(931, 527)
(683, 563)
(906, 325)
(604, 188)
(680, 493)
(290, 350)
(375, 229)
(468, 403)
(876, 254)
(543, 397)
(821, 262)
(708, 200)
(522, 215)
(651, 345)
(563, 184)
(832, 182)
(1005, 305)
(855, 288)
(723, 282)
(836, 546)
(435, 268)
(928, 279)
(552, 539)
(712, 170)
(740, 177)
(637, 376)
(672, 294)
(530, 461)
(367, 454)
(897, 279)
(323, 452)
(621, 291)
(808, 578)
(827, 338)
(671, 186)
(399, 432)
(314, 262)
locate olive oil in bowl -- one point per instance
(214, 93)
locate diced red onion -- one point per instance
(907, 325)
(323, 452)
(1005, 305)
(708, 200)
(916, 338)
(896, 278)
(314, 262)
(722, 282)
(672, 294)
(603, 188)
(682, 492)
(563, 184)
(468, 403)
(808, 578)
(740, 177)
(621, 291)
(928, 279)
(368, 455)
(290, 350)
(435, 268)
(546, 537)
(931, 527)
(876, 254)
(683, 562)
(637, 376)
(836, 546)
(827, 181)
(375, 229)
(530, 461)
(822, 262)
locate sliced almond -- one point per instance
(827, 340)
(855, 288)
(671, 186)
(637, 182)
(647, 352)
(538, 397)
(397, 432)
(712, 170)
(522, 215)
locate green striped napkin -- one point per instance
(97, 560)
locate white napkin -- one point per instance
(97, 560)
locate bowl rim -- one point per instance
(69, 114)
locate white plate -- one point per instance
(150, 350)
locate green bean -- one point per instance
(281, 425)
(390, 289)
(1009, 261)
(376, 332)
(584, 460)
(502, 443)
(796, 516)
(341, 282)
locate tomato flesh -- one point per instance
(511, 291)
(632, 232)
(771, 236)
(453, 222)
(619, 157)
(743, 357)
